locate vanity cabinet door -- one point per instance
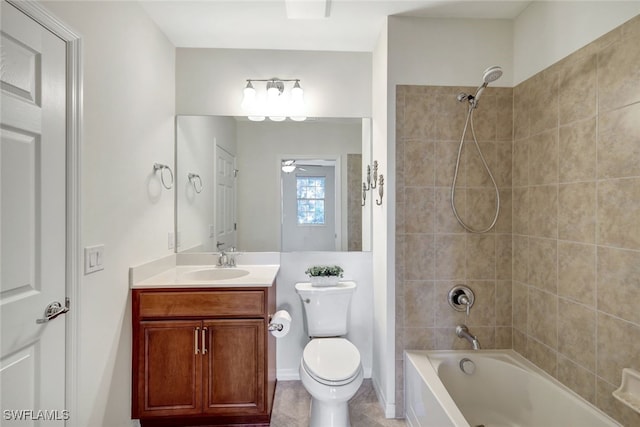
(169, 368)
(234, 367)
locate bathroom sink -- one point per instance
(213, 274)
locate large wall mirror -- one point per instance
(272, 186)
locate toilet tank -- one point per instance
(326, 308)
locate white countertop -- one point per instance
(182, 277)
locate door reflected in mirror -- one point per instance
(248, 200)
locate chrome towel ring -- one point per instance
(161, 167)
(196, 181)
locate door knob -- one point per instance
(54, 310)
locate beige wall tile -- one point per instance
(543, 259)
(481, 257)
(450, 117)
(485, 116)
(577, 272)
(419, 120)
(520, 342)
(618, 207)
(619, 283)
(477, 175)
(481, 208)
(504, 224)
(618, 347)
(445, 220)
(577, 151)
(577, 212)
(543, 158)
(543, 208)
(521, 258)
(544, 101)
(446, 156)
(419, 339)
(502, 171)
(578, 379)
(504, 338)
(420, 215)
(520, 306)
(520, 172)
(619, 141)
(542, 317)
(481, 314)
(631, 28)
(520, 210)
(543, 356)
(619, 74)
(577, 333)
(504, 121)
(504, 298)
(577, 83)
(612, 406)
(419, 163)
(420, 257)
(450, 256)
(419, 303)
(504, 256)
(447, 339)
(521, 110)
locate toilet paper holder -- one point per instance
(276, 326)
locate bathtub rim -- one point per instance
(421, 358)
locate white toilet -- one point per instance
(330, 368)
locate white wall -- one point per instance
(383, 242)
(196, 137)
(210, 81)
(448, 52)
(261, 145)
(128, 124)
(547, 31)
(357, 267)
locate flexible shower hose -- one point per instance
(455, 176)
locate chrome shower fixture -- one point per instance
(490, 75)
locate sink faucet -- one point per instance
(224, 259)
(463, 332)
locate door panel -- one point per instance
(234, 367)
(170, 370)
(225, 206)
(32, 214)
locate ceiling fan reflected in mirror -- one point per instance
(289, 166)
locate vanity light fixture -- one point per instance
(273, 103)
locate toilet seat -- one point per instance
(331, 361)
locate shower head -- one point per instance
(492, 74)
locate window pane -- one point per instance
(310, 191)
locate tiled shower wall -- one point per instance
(576, 218)
(569, 227)
(434, 253)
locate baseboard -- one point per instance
(287, 375)
(388, 408)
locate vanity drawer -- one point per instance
(210, 304)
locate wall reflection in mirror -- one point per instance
(271, 186)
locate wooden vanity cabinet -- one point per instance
(203, 356)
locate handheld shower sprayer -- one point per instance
(490, 75)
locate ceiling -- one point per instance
(351, 25)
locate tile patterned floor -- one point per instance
(291, 407)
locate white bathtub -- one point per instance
(504, 390)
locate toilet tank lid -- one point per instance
(333, 359)
(306, 286)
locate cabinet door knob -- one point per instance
(195, 340)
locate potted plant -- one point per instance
(324, 275)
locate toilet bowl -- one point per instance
(331, 372)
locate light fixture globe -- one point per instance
(273, 104)
(296, 104)
(248, 97)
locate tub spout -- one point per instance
(463, 332)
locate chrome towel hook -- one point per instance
(161, 167)
(375, 174)
(196, 181)
(380, 189)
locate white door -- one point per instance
(225, 204)
(308, 209)
(32, 221)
